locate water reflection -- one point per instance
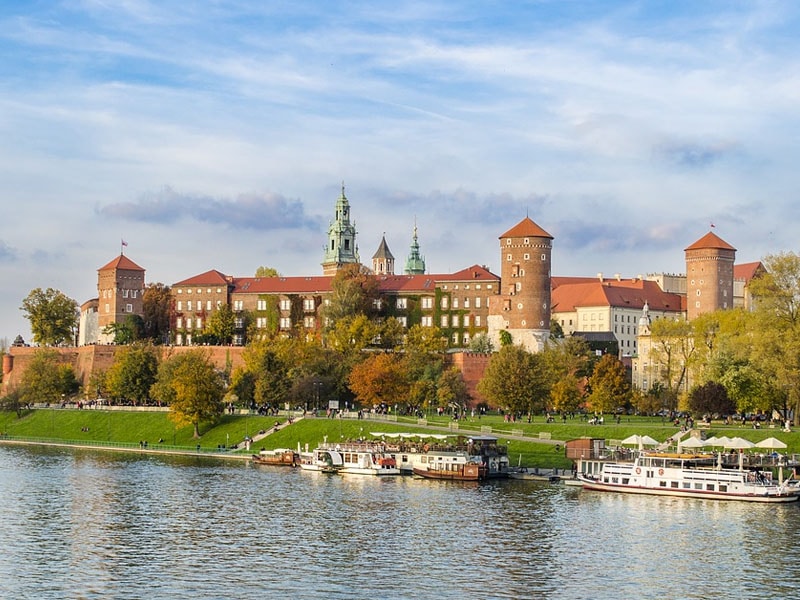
(92, 525)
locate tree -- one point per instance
(505, 338)
(513, 380)
(566, 394)
(221, 325)
(192, 388)
(353, 292)
(133, 373)
(52, 315)
(481, 343)
(352, 334)
(47, 378)
(156, 307)
(267, 272)
(452, 389)
(609, 385)
(127, 332)
(380, 379)
(711, 398)
(671, 352)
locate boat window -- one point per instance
(662, 483)
(723, 487)
(698, 486)
(625, 481)
(687, 485)
(674, 484)
(710, 487)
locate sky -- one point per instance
(218, 135)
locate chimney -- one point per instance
(617, 276)
(600, 276)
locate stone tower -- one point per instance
(383, 260)
(709, 275)
(415, 263)
(120, 288)
(341, 248)
(523, 306)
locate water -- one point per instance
(77, 524)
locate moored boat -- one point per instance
(455, 466)
(691, 476)
(280, 457)
(352, 458)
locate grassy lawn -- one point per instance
(117, 427)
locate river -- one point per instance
(86, 524)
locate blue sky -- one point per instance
(218, 134)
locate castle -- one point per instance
(522, 300)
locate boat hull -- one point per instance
(765, 497)
(470, 472)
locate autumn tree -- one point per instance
(156, 307)
(380, 379)
(452, 389)
(513, 380)
(47, 378)
(671, 353)
(263, 271)
(609, 385)
(191, 386)
(133, 373)
(127, 331)
(53, 316)
(220, 326)
(353, 292)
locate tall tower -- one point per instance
(120, 288)
(341, 248)
(383, 260)
(523, 306)
(415, 263)
(709, 275)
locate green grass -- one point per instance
(117, 427)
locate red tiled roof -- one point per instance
(282, 285)
(747, 271)
(628, 293)
(121, 262)
(212, 277)
(710, 240)
(526, 228)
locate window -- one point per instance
(403, 321)
(188, 323)
(376, 303)
(179, 322)
(199, 323)
(444, 302)
(208, 304)
(402, 303)
(477, 320)
(286, 323)
(427, 302)
(261, 322)
(478, 302)
(466, 320)
(308, 322)
(309, 304)
(286, 304)
(466, 302)
(261, 305)
(238, 305)
(189, 305)
(180, 305)
(455, 339)
(454, 321)
(444, 321)
(427, 321)
(455, 302)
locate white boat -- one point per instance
(687, 475)
(351, 458)
(425, 454)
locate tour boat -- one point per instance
(280, 457)
(425, 454)
(688, 475)
(351, 458)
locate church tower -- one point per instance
(523, 306)
(120, 290)
(341, 248)
(709, 275)
(415, 264)
(383, 260)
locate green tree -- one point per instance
(452, 389)
(267, 272)
(609, 385)
(352, 334)
(47, 378)
(505, 338)
(156, 308)
(126, 332)
(481, 343)
(711, 398)
(513, 380)
(220, 325)
(671, 353)
(566, 394)
(192, 388)
(133, 373)
(53, 316)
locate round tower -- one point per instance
(709, 275)
(523, 306)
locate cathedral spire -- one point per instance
(415, 263)
(341, 248)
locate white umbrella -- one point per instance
(648, 441)
(632, 439)
(739, 443)
(712, 441)
(692, 442)
(722, 441)
(772, 443)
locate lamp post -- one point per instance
(317, 389)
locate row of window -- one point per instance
(128, 308)
(199, 305)
(199, 291)
(124, 292)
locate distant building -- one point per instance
(341, 248)
(709, 275)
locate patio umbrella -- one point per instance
(632, 439)
(739, 443)
(648, 441)
(772, 443)
(721, 441)
(692, 442)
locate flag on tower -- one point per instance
(124, 243)
(712, 226)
